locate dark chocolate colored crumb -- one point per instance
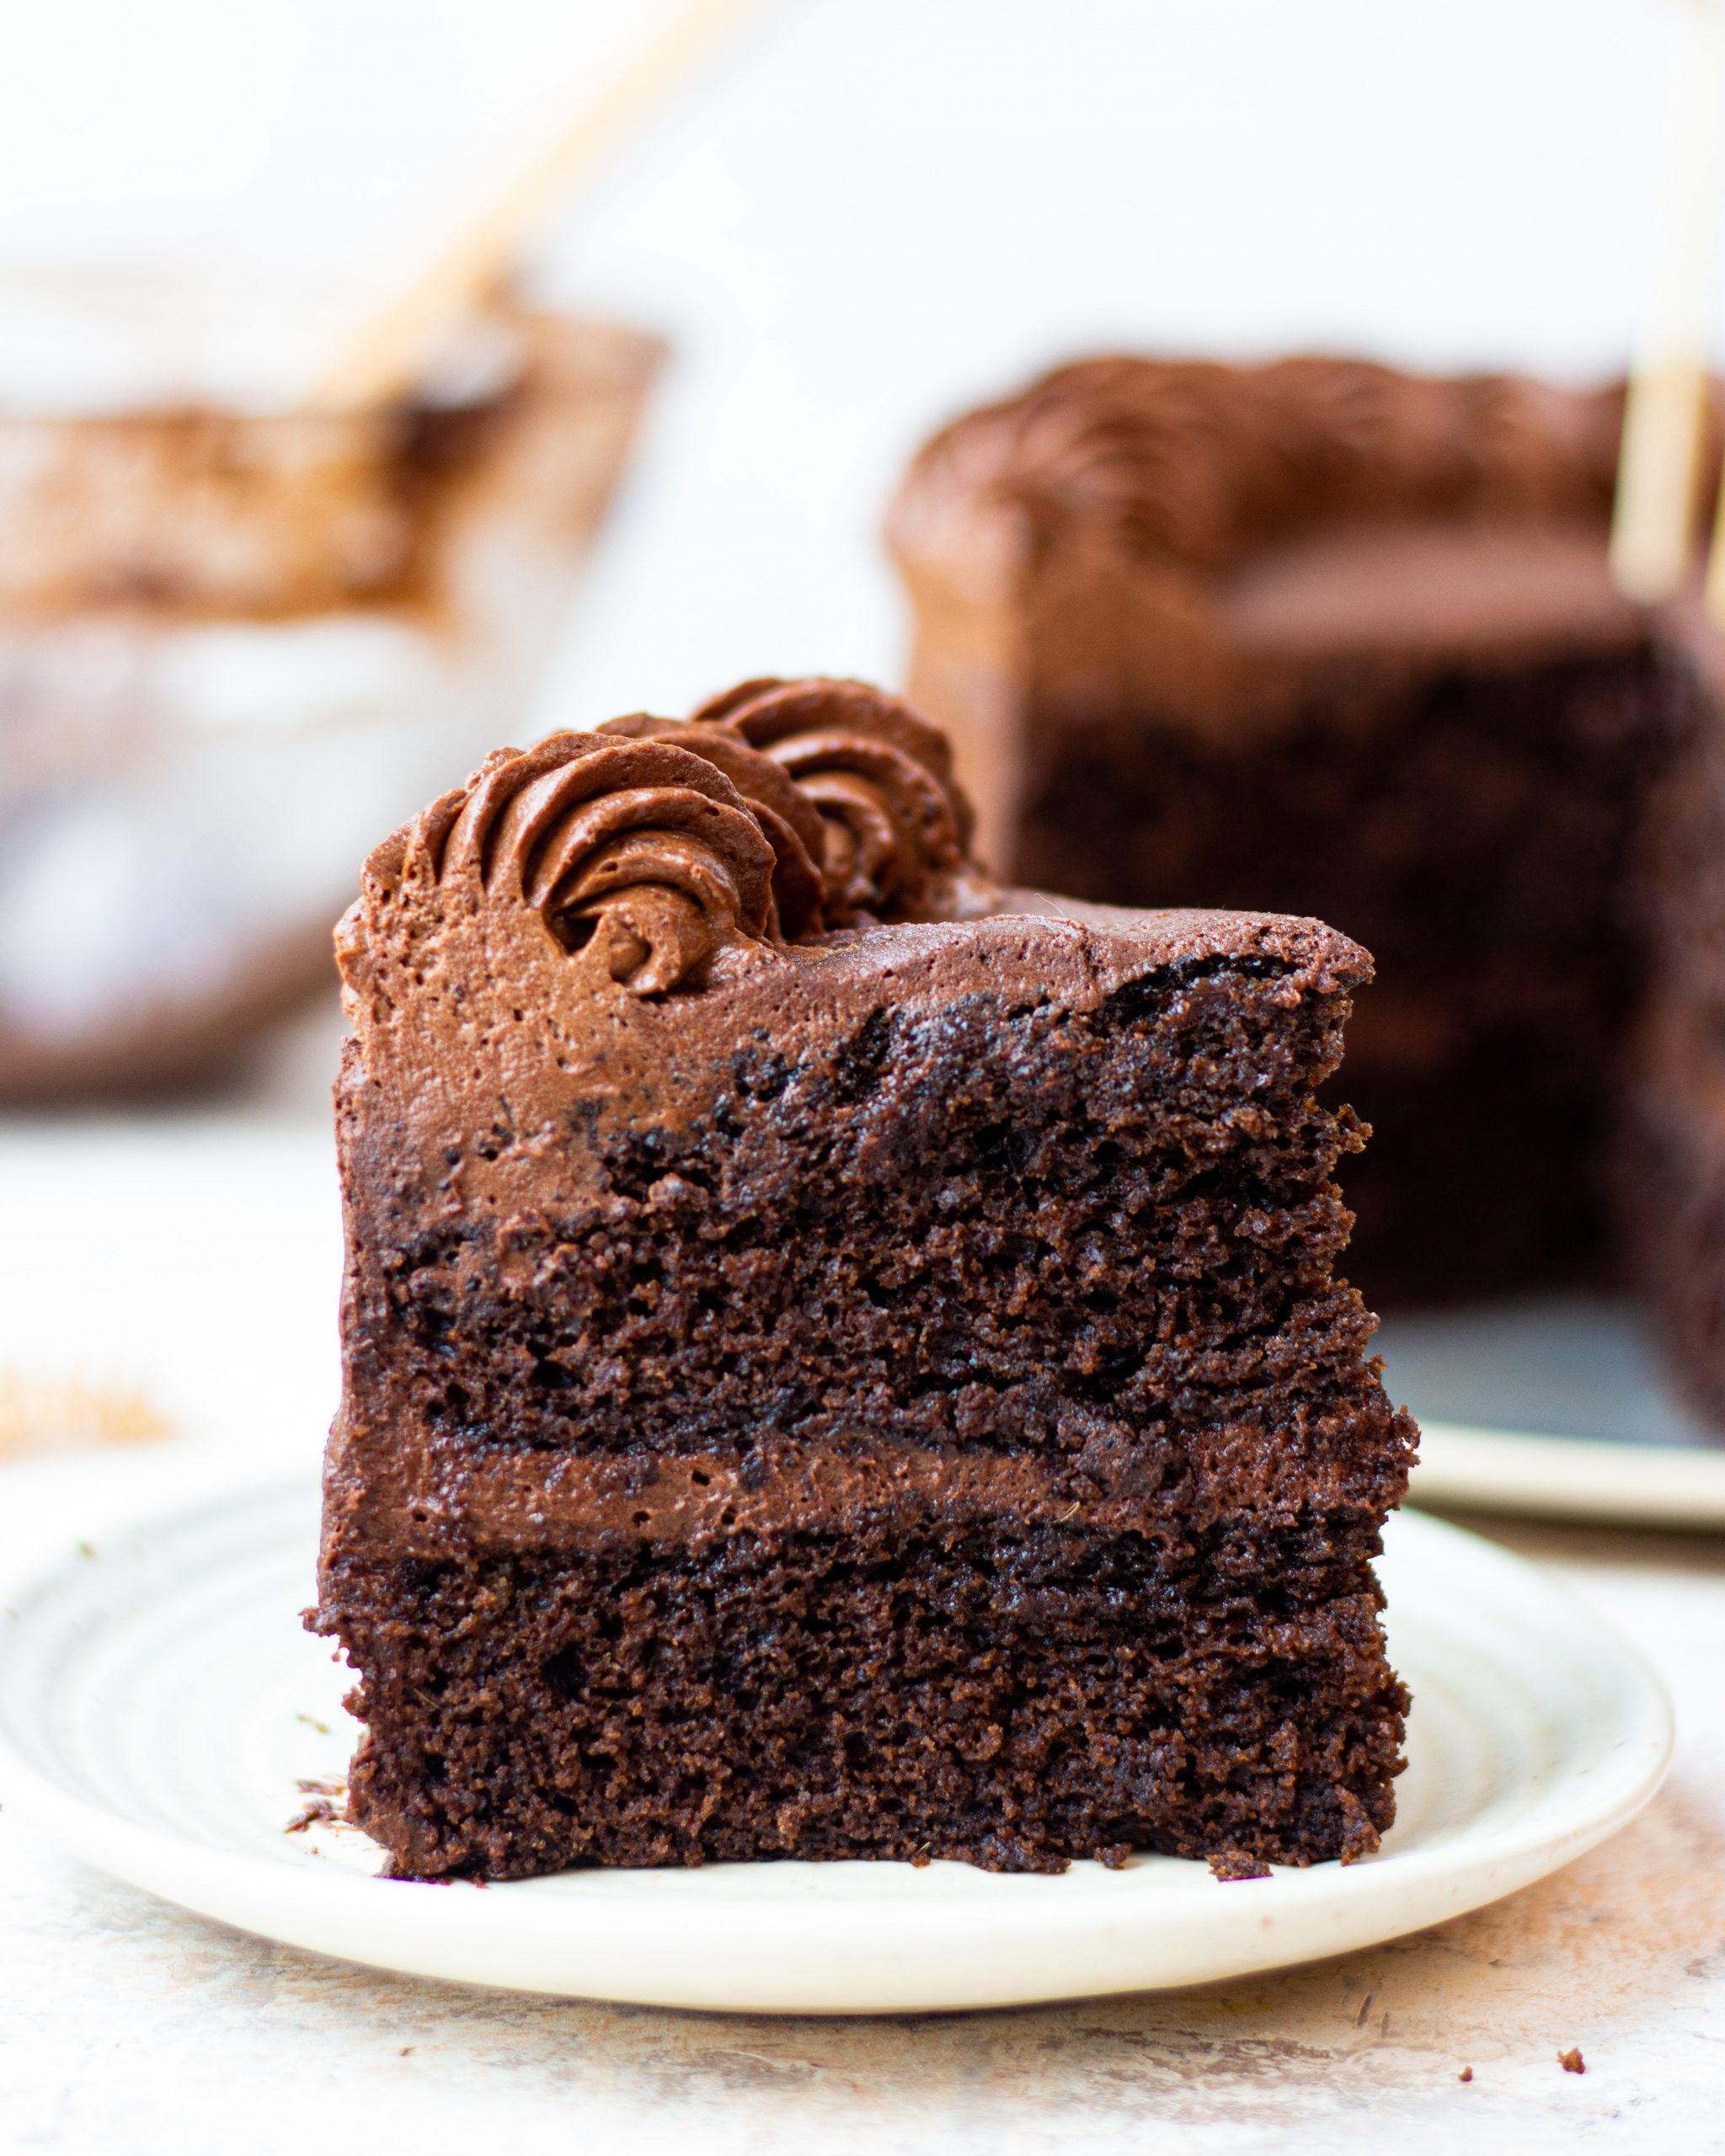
(317, 1812)
(1232, 1863)
(327, 1805)
(1016, 1700)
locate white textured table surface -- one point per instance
(134, 1256)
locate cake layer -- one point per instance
(1487, 1174)
(1011, 1695)
(1093, 1226)
(1682, 883)
(1473, 826)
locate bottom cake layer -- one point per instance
(1014, 1698)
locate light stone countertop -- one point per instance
(125, 2025)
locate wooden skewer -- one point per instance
(1713, 592)
(389, 350)
(1652, 519)
(1653, 525)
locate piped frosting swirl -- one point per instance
(655, 854)
(789, 821)
(896, 827)
(642, 860)
(1211, 464)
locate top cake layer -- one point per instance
(693, 1185)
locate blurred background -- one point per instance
(853, 220)
(835, 224)
(242, 636)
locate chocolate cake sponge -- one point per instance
(841, 1360)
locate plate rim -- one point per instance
(307, 1910)
(1534, 1475)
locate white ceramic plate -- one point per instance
(159, 1705)
(1557, 1407)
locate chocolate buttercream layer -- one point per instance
(1206, 541)
(1215, 465)
(438, 1504)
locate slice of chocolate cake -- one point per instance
(840, 1360)
(1338, 641)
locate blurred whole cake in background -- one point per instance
(233, 645)
(1334, 640)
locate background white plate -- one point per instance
(159, 1704)
(1559, 1407)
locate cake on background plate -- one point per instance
(840, 1360)
(1322, 637)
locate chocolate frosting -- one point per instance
(654, 849)
(788, 819)
(643, 861)
(897, 827)
(512, 923)
(1213, 465)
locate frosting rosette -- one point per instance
(896, 828)
(789, 821)
(656, 854)
(642, 859)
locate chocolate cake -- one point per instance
(840, 1360)
(1339, 640)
